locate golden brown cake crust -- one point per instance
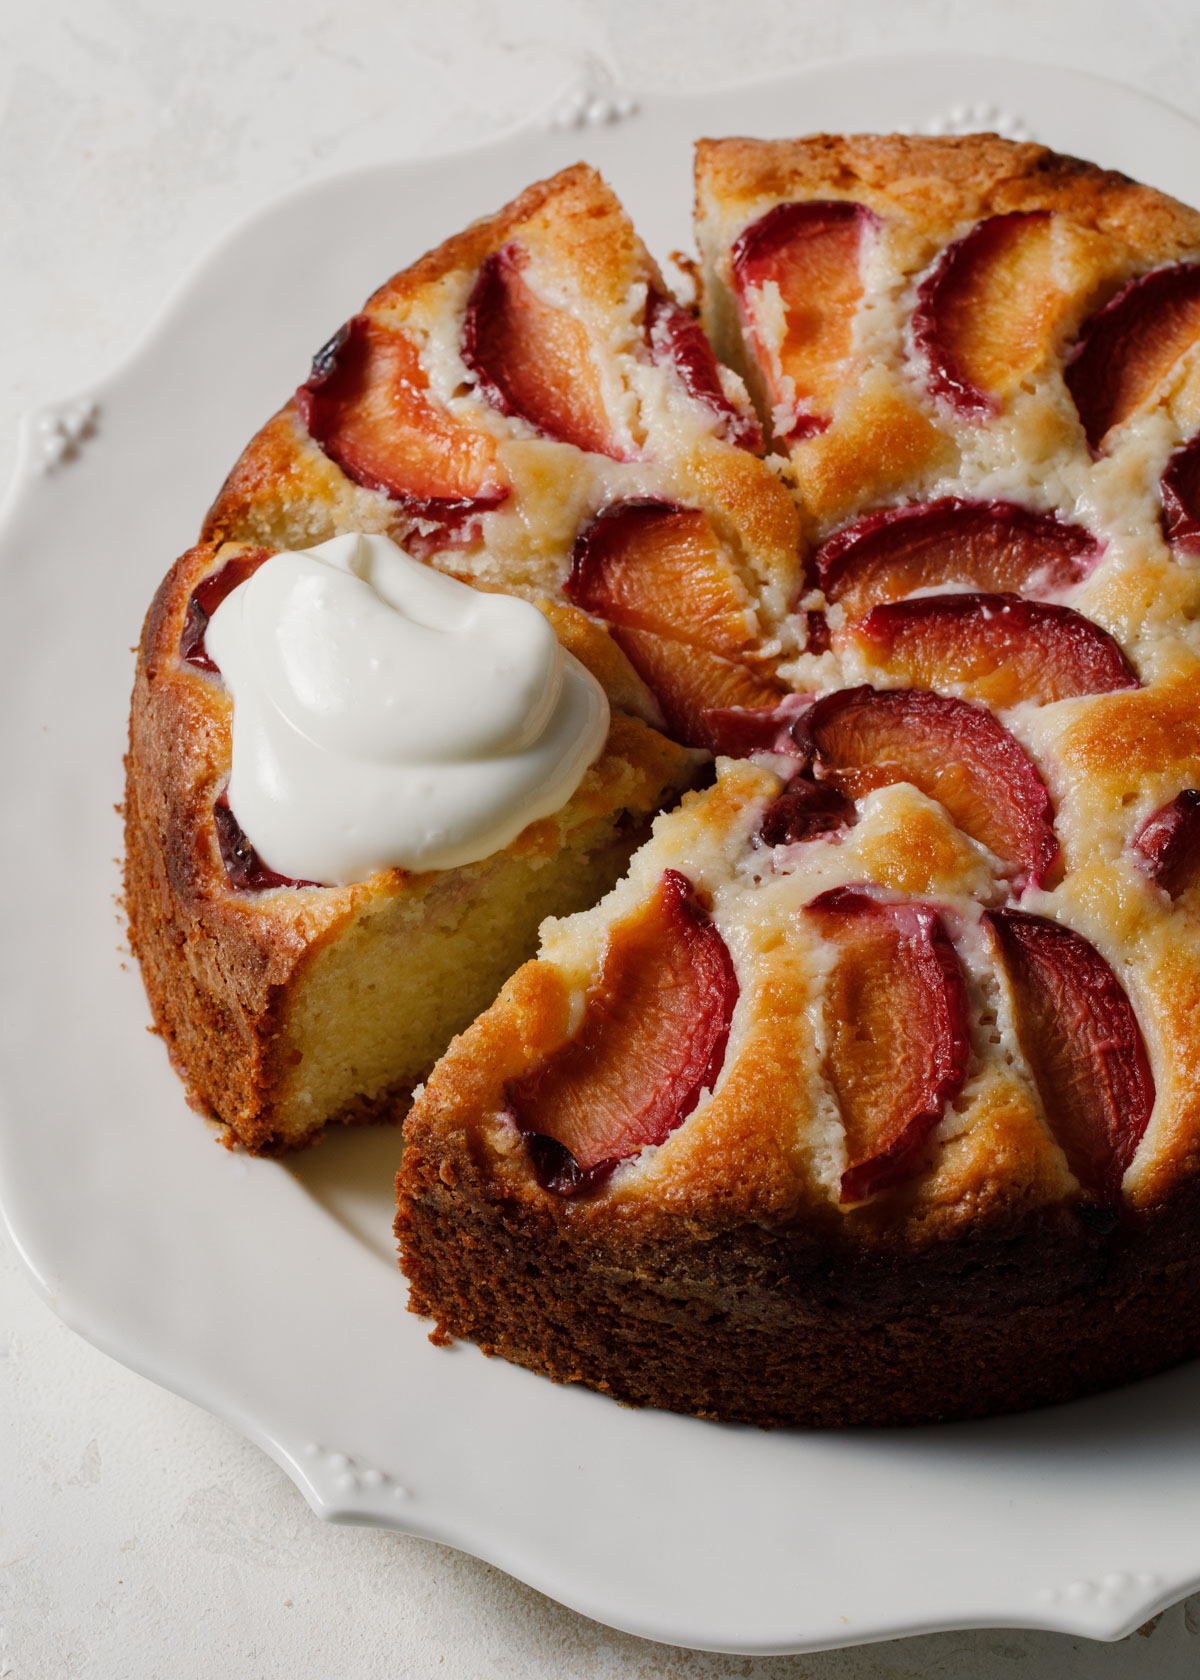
(946, 179)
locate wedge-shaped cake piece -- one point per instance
(296, 974)
(484, 410)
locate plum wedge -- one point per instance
(676, 341)
(985, 314)
(798, 276)
(804, 811)
(533, 359)
(679, 612)
(1127, 349)
(244, 868)
(1180, 491)
(1083, 1044)
(956, 752)
(697, 690)
(367, 403)
(896, 1025)
(207, 597)
(995, 546)
(741, 730)
(647, 565)
(1168, 843)
(652, 1039)
(1000, 648)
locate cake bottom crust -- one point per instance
(746, 1328)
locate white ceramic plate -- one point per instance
(269, 1293)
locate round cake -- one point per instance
(863, 1087)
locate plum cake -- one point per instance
(815, 671)
(869, 1094)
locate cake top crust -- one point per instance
(1000, 622)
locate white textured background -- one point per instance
(141, 1539)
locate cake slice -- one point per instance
(289, 1004)
(524, 395)
(490, 401)
(529, 381)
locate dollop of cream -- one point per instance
(387, 716)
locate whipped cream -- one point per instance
(387, 716)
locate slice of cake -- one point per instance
(526, 410)
(288, 1002)
(869, 1095)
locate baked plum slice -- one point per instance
(1001, 648)
(677, 342)
(740, 731)
(659, 575)
(954, 751)
(1180, 491)
(811, 255)
(698, 690)
(207, 597)
(652, 1040)
(533, 359)
(804, 811)
(985, 313)
(244, 868)
(367, 403)
(1126, 350)
(897, 1044)
(1168, 844)
(996, 546)
(650, 565)
(1083, 1044)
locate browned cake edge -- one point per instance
(775, 1327)
(944, 176)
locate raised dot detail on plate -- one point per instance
(60, 432)
(592, 98)
(350, 1475)
(972, 119)
(1106, 1590)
